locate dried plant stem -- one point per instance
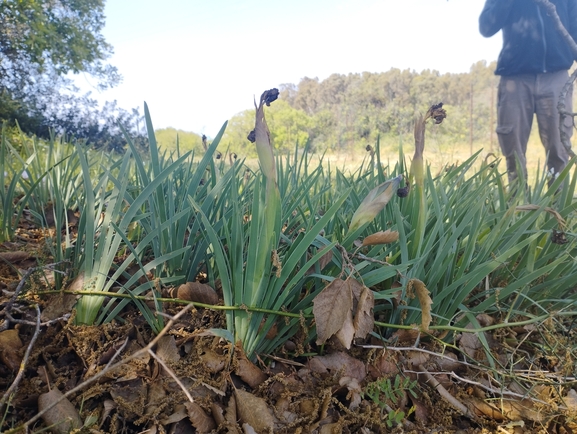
(99, 375)
(7, 396)
(172, 374)
(434, 383)
(8, 307)
(487, 388)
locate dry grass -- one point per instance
(439, 156)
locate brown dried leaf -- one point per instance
(571, 400)
(63, 417)
(217, 413)
(347, 332)
(178, 414)
(10, 345)
(355, 391)
(253, 411)
(230, 414)
(331, 308)
(246, 370)
(364, 319)
(154, 397)
(14, 256)
(197, 292)
(323, 261)
(425, 301)
(381, 237)
(213, 361)
(339, 361)
(416, 358)
(470, 343)
(58, 305)
(167, 350)
(331, 428)
(199, 419)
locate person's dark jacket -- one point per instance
(531, 43)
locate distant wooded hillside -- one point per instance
(348, 112)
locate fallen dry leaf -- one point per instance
(470, 343)
(166, 350)
(355, 391)
(253, 411)
(14, 256)
(331, 308)
(381, 237)
(364, 320)
(213, 361)
(197, 292)
(230, 415)
(155, 396)
(346, 333)
(247, 429)
(10, 345)
(323, 261)
(246, 370)
(63, 417)
(331, 428)
(338, 361)
(217, 413)
(58, 305)
(178, 414)
(199, 419)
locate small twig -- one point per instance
(23, 363)
(117, 352)
(172, 374)
(15, 295)
(65, 318)
(500, 392)
(434, 383)
(100, 374)
(8, 306)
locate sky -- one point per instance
(197, 63)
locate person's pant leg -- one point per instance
(515, 109)
(548, 89)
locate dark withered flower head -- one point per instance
(269, 96)
(369, 148)
(437, 112)
(558, 237)
(234, 155)
(404, 191)
(251, 136)
(218, 155)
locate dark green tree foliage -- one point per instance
(41, 41)
(60, 36)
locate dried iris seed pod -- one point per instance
(269, 96)
(403, 192)
(558, 237)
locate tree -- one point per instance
(41, 41)
(54, 37)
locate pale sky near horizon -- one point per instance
(197, 63)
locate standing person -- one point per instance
(533, 65)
